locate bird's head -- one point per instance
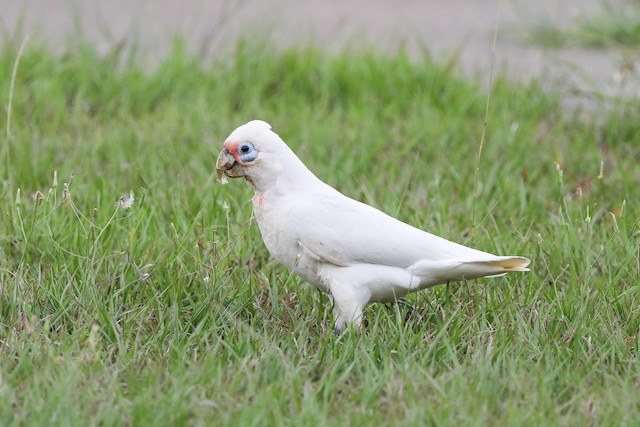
(255, 152)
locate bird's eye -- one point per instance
(247, 151)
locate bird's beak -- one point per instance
(228, 166)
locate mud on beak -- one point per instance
(227, 165)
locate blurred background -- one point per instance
(558, 40)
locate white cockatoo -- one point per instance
(343, 247)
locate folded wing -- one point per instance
(343, 231)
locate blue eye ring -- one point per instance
(247, 151)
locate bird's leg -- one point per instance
(339, 325)
(347, 306)
(346, 314)
(349, 298)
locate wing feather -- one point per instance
(344, 231)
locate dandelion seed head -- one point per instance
(126, 201)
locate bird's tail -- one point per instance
(435, 272)
(507, 263)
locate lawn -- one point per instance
(171, 312)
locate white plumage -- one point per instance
(346, 248)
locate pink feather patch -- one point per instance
(258, 199)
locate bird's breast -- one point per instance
(283, 244)
(279, 239)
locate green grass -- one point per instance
(617, 25)
(173, 313)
